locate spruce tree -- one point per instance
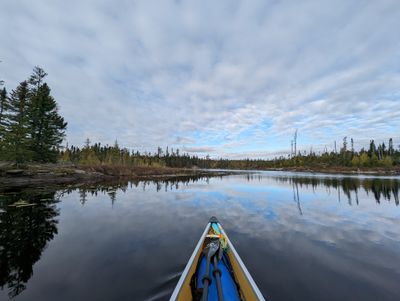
(3, 110)
(372, 149)
(16, 137)
(391, 149)
(46, 125)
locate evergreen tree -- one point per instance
(344, 149)
(372, 148)
(390, 149)
(3, 109)
(352, 146)
(16, 137)
(46, 125)
(37, 78)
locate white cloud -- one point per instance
(204, 149)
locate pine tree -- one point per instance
(46, 125)
(16, 138)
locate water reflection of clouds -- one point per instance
(273, 197)
(248, 200)
(323, 213)
(320, 211)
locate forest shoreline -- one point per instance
(69, 174)
(375, 171)
(61, 174)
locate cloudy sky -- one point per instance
(225, 78)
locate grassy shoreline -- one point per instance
(47, 174)
(58, 174)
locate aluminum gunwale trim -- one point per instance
(243, 267)
(188, 265)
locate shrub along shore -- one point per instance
(62, 174)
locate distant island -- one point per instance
(32, 132)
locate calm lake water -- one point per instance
(302, 237)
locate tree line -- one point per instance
(31, 128)
(380, 155)
(98, 154)
(375, 155)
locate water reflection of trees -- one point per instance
(26, 230)
(380, 188)
(296, 197)
(112, 188)
(24, 234)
